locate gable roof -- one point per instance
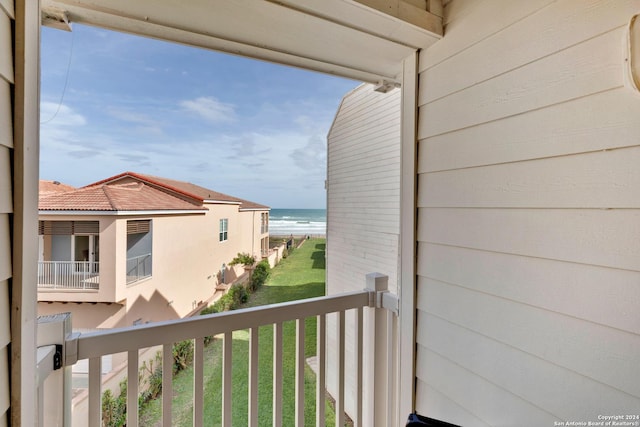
(132, 196)
(186, 189)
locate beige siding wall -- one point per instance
(6, 202)
(363, 202)
(528, 255)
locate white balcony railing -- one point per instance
(79, 275)
(138, 268)
(375, 385)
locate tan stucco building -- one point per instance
(133, 248)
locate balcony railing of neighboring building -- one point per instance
(375, 338)
(81, 275)
(138, 268)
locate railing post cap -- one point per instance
(377, 282)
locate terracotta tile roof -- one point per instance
(49, 187)
(131, 196)
(185, 188)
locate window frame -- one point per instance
(223, 234)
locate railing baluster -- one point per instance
(300, 362)
(253, 377)
(321, 347)
(198, 382)
(85, 271)
(359, 353)
(277, 374)
(391, 366)
(68, 275)
(340, 388)
(227, 364)
(132, 389)
(95, 392)
(167, 383)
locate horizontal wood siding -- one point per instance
(528, 206)
(5, 181)
(363, 189)
(363, 203)
(6, 202)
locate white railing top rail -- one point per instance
(139, 257)
(96, 344)
(68, 262)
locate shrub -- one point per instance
(244, 259)
(182, 355)
(238, 295)
(150, 377)
(260, 274)
(114, 409)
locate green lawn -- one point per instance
(301, 275)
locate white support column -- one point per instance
(24, 244)
(407, 278)
(375, 365)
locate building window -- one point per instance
(264, 220)
(224, 223)
(139, 254)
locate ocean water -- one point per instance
(283, 222)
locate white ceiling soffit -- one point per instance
(338, 37)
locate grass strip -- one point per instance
(301, 275)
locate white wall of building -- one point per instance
(363, 202)
(528, 180)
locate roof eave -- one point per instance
(122, 212)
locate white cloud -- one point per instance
(59, 115)
(211, 109)
(311, 157)
(131, 116)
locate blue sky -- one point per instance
(248, 128)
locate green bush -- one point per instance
(232, 300)
(150, 378)
(244, 259)
(238, 295)
(209, 310)
(260, 274)
(182, 355)
(114, 409)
